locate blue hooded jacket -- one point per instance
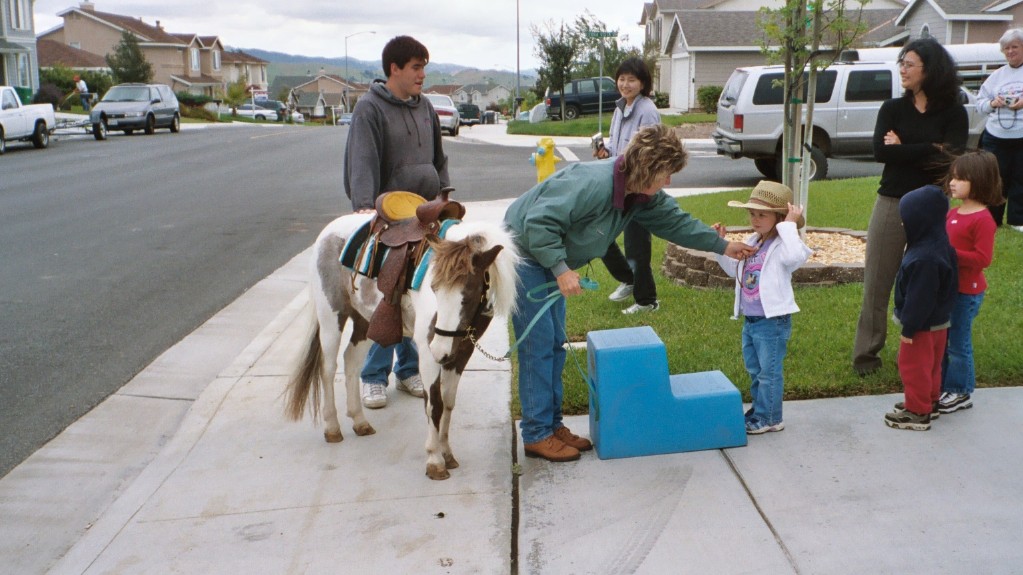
(926, 286)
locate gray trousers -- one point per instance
(886, 242)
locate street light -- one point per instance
(346, 62)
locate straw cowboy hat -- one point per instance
(770, 197)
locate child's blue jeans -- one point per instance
(764, 343)
(957, 373)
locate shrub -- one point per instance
(198, 112)
(707, 97)
(48, 94)
(190, 99)
(661, 99)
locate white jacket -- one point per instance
(784, 256)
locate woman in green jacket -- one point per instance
(561, 224)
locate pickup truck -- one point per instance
(20, 122)
(583, 96)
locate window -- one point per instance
(769, 88)
(194, 53)
(20, 13)
(23, 68)
(869, 86)
(925, 31)
(587, 87)
(9, 102)
(216, 59)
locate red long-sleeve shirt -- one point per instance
(973, 237)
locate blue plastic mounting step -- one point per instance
(636, 408)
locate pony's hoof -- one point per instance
(437, 473)
(449, 461)
(364, 429)
(333, 436)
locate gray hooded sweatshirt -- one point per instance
(393, 144)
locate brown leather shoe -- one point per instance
(569, 438)
(552, 449)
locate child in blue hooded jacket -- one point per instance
(925, 291)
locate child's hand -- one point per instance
(794, 213)
(905, 339)
(720, 229)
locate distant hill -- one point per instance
(282, 64)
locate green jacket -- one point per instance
(569, 218)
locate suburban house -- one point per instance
(19, 64)
(185, 62)
(960, 21)
(702, 41)
(56, 54)
(332, 87)
(483, 95)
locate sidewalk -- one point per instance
(192, 468)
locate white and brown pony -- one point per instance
(470, 278)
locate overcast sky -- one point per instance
(472, 33)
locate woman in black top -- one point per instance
(913, 137)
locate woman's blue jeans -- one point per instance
(764, 343)
(957, 372)
(378, 361)
(541, 355)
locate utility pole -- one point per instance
(600, 83)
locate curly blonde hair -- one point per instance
(654, 152)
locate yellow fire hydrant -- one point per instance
(544, 158)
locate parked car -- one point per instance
(446, 111)
(297, 117)
(345, 119)
(257, 112)
(275, 105)
(849, 96)
(583, 96)
(129, 107)
(27, 122)
(468, 114)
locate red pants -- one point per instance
(920, 369)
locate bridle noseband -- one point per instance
(484, 311)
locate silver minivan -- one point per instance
(849, 95)
(130, 107)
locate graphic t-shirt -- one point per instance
(749, 291)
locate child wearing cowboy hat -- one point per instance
(763, 294)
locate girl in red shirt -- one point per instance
(973, 179)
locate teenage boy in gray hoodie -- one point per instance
(394, 143)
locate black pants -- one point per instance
(633, 267)
(1010, 165)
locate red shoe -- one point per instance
(569, 438)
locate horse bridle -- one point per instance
(484, 311)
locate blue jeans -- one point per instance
(957, 375)
(378, 361)
(541, 355)
(764, 342)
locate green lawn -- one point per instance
(587, 125)
(699, 335)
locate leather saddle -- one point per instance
(402, 222)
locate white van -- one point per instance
(849, 95)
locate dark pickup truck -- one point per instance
(468, 114)
(583, 96)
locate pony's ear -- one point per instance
(482, 260)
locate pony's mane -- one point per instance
(454, 259)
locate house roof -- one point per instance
(201, 80)
(446, 89)
(962, 10)
(145, 32)
(239, 57)
(709, 28)
(309, 98)
(52, 53)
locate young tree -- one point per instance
(128, 63)
(236, 94)
(557, 51)
(806, 37)
(588, 58)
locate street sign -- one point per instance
(598, 34)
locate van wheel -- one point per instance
(571, 112)
(818, 165)
(41, 137)
(175, 126)
(150, 125)
(99, 130)
(768, 167)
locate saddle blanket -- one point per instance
(370, 258)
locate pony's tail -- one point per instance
(306, 380)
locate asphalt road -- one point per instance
(113, 251)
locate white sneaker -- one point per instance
(374, 395)
(636, 308)
(412, 385)
(621, 292)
